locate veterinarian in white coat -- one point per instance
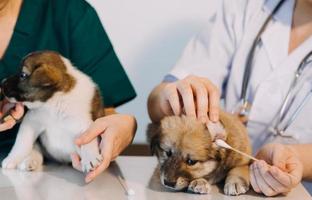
(216, 60)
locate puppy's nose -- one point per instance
(170, 184)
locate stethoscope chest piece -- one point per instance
(242, 110)
(278, 132)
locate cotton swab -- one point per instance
(129, 191)
(223, 144)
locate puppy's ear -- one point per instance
(46, 75)
(153, 136)
(216, 130)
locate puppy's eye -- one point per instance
(191, 162)
(169, 153)
(23, 76)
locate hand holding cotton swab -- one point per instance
(223, 144)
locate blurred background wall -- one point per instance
(148, 37)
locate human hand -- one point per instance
(116, 132)
(16, 113)
(284, 174)
(196, 95)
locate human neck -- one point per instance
(8, 7)
(4, 4)
(309, 2)
(305, 6)
(303, 13)
(301, 28)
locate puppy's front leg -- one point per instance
(33, 161)
(23, 145)
(199, 186)
(90, 155)
(237, 181)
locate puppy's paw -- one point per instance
(9, 163)
(199, 186)
(90, 161)
(236, 186)
(32, 162)
(90, 156)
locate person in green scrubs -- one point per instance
(72, 28)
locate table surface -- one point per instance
(57, 182)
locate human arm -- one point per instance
(189, 96)
(304, 153)
(116, 132)
(92, 52)
(281, 169)
(16, 113)
(205, 63)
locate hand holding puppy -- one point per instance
(192, 96)
(284, 174)
(116, 132)
(16, 113)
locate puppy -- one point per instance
(190, 161)
(62, 102)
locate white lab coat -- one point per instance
(219, 53)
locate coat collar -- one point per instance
(243, 52)
(283, 13)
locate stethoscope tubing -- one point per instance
(288, 102)
(286, 106)
(248, 68)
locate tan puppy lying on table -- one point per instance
(189, 160)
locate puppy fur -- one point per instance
(62, 103)
(189, 160)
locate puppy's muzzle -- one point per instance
(9, 87)
(170, 184)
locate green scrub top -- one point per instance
(72, 28)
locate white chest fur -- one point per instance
(57, 131)
(63, 117)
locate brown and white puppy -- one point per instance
(189, 160)
(62, 103)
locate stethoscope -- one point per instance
(243, 107)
